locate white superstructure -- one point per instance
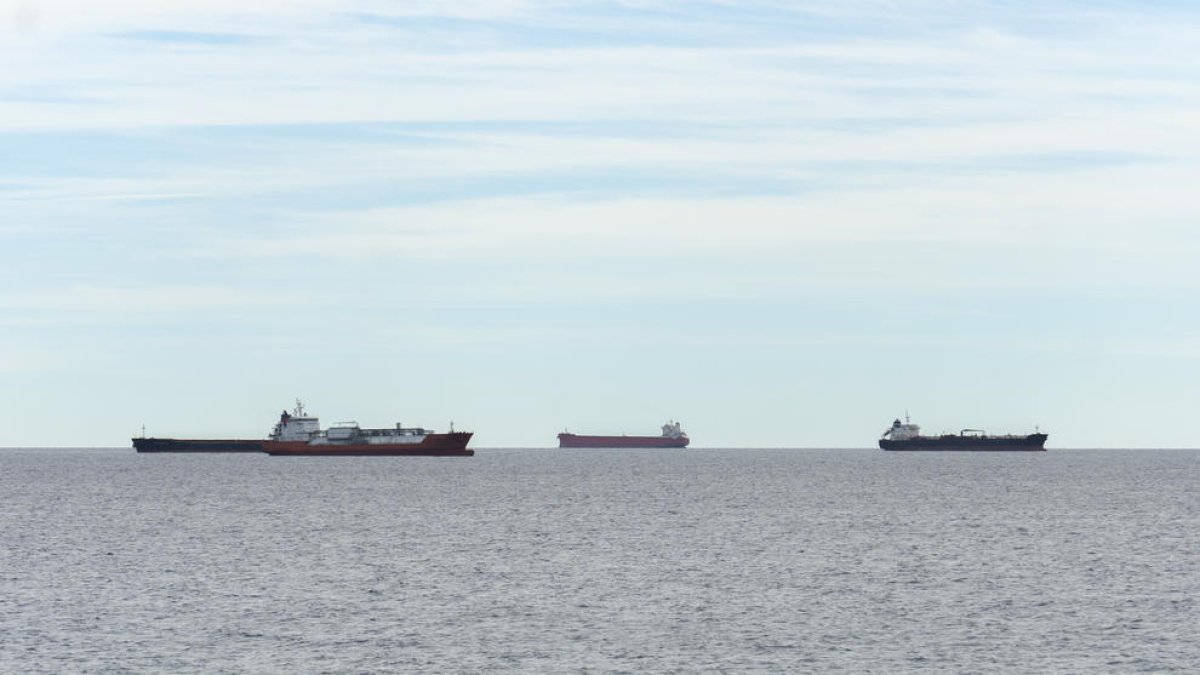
(296, 426)
(672, 430)
(299, 426)
(902, 431)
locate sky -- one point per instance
(783, 224)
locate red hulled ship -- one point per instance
(297, 433)
(672, 437)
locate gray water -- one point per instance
(600, 561)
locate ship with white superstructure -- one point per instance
(298, 433)
(907, 436)
(673, 436)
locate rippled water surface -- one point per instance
(600, 561)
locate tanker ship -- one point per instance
(672, 437)
(297, 433)
(907, 436)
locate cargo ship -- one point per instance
(298, 433)
(907, 436)
(144, 444)
(672, 437)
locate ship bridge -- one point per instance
(296, 425)
(902, 431)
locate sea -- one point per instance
(600, 561)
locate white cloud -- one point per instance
(19, 357)
(316, 67)
(928, 149)
(58, 17)
(99, 299)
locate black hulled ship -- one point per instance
(144, 444)
(907, 436)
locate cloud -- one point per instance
(178, 37)
(20, 357)
(310, 64)
(776, 195)
(108, 300)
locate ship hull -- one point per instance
(1030, 443)
(453, 444)
(576, 441)
(196, 445)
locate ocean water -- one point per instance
(605, 561)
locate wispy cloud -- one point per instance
(23, 358)
(698, 174)
(160, 298)
(177, 37)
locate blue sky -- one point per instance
(782, 223)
